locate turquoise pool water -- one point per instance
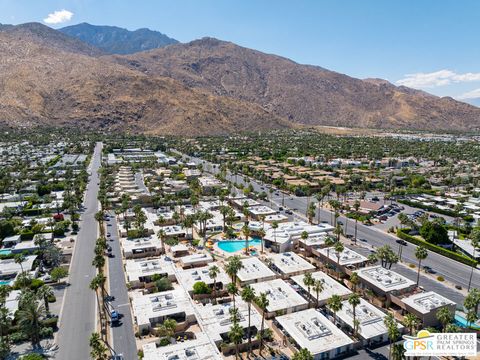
(5, 252)
(4, 282)
(236, 245)
(464, 323)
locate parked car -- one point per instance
(114, 316)
(402, 242)
(289, 212)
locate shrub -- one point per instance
(195, 242)
(402, 234)
(32, 357)
(58, 273)
(440, 278)
(50, 322)
(201, 288)
(434, 233)
(36, 283)
(46, 332)
(164, 342)
(163, 284)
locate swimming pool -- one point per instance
(461, 321)
(5, 282)
(236, 245)
(5, 252)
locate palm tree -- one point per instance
(262, 302)
(309, 282)
(335, 304)
(304, 237)
(233, 266)
(29, 317)
(445, 317)
(236, 335)
(356, 206)
(161, 235)
(232, 290)
(45, 292)
(318, 286)
(261, 233)
(354, 279)
(421, 253)
(475, 241)
(275, 227)
(303, 354)
(338, 250)
(20, 259)
(99, 262)
(213, 272)
(411, 322)
(248, 295)
(246, 232)
(354, 301)
(392, 330)
(98, 351)
(329, 242)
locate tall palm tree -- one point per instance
(421, 253)
(356, 206)
(338, 250)
(318, 287)
(354, 279)
(248, 295)
(246, 232)
(29, 316)
(411, 322)
(232, 290)
(475, 241)
(392, 331)
(354, 301)
(233, 266)
(445, 316)
(309, 282)
(329, 242)
(99, 262)
(236, 335)
(335, 304)
(213, 272)
(275, 227)
(261, 233)
(161, 235)
(303, 354)
(45, 292)
(20, 259)
(262, 302)
(98, 351)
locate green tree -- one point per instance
(303, 354)
(233, 266)
(354, 301)
(262, 303)
(213, 272)
(98, 351)
(236, 335)
(421, 253)
(411, 322)
(309, 282)
(392, 331)
(45, 292)
(200, 288)
(318, 287)
(445, 317)
(248, 295)
(29, 318)
(335, 304)
(232, 290)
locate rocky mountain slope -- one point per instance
(45, 85)
(115, 40)
(301, 93)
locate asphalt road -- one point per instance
(123, 337)
(451, 270)
(79, 310)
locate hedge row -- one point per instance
(438, 249)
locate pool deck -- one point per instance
(224, 253)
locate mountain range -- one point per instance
(98, 78)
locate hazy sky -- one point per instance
(427, 44)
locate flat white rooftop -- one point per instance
(370, 318)
(254, 270)
(347, 256)
(216, 319)
(137, 269)
(141, 244)
(313, 331)
(191, 276)
(280, 295)
(199, 349)
(384, 279)
(291, 263)
(330, 286)
(147, 308)
(261, 210)
(427, 302)
(289, 231)
(9, 267)
(194, 259)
